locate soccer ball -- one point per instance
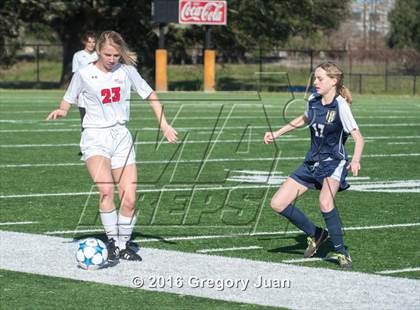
(91, 254)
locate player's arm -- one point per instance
(298, 122)
(70, 97)
(359, 143)
(60, 112)
(169, 132)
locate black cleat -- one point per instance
(129, 254)
(113, 251)
(314, 243)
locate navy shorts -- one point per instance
(312, 175)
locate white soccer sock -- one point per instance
(110, 223)
(125, 228)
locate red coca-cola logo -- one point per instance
(202, 12)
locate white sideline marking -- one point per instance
(398, 270)
(210, 160)
(345, 289)
(229, 249)
(16, 223)
(261, 233)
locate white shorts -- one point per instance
(114, 143)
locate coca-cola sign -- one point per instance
(202, 12)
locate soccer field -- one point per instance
(208, 195)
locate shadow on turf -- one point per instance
(102, 237)
(300, 246)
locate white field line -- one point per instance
(399, 270)
(251, 108)
(180, 129)
(234, 235)
(80, 231)
(212, 118)
(137, 108)
(389, 186)
(303, 260)
(16, 223)
(398, 186)
(345, 289)
(400, 143)
(265, 173)
(259, 140)
(229, 249)
(154, 190)
(211, 160)
(183, 161)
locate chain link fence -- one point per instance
(366, 72)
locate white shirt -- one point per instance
(106, 95)
(82, 58)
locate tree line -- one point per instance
(251, 24)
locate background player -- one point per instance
(107, 146)
(330, 120)
(83, 58)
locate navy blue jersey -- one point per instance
(330, 126)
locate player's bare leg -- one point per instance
(126, 179)
(286, 194)
(283, 203)
(99, 168)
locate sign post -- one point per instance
(192, 12)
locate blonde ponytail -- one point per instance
(346, 94)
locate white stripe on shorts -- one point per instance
(338, 171)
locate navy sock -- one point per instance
(299, 219)
(335, 230)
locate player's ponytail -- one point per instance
(115, 39)
(334, 72)
(346, 94)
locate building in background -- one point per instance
(366, 28)
(369, 22)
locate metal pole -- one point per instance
(161, 36)
(37, 64)
(414, 84)
(311, 54)
(207, 43)
(360, 83)
(260, 69)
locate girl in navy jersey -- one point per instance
(330, 121)
(107, 146)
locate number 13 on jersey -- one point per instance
(110, 95)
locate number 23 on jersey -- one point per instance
(110, 95)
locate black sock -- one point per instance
(299, 219)
(335, 230)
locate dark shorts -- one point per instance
(312, 175)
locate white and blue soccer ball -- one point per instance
(91, 254)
